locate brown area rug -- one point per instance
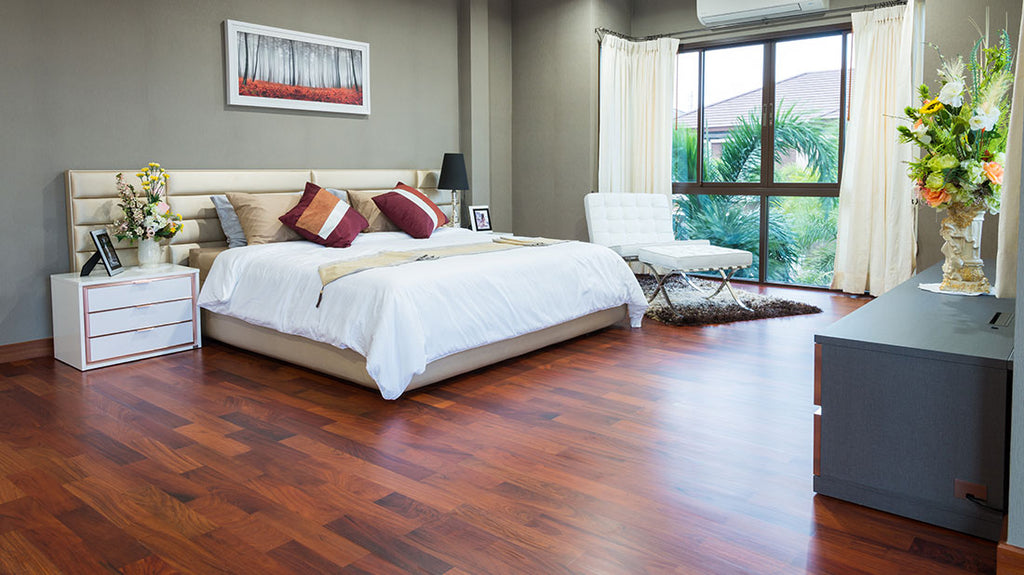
(693, 308)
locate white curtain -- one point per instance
(1006, 257)
(877, 247)
(635, 132)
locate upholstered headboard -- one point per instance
(92, 201)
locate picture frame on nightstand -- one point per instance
(480, 218)
(105, 252)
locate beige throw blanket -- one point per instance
(337, 270)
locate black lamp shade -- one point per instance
(453, 173)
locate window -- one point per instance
(757, 147)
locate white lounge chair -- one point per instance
(639, 228)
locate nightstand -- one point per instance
(143, 312)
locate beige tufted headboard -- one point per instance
(92, 201)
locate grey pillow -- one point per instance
(229, 221)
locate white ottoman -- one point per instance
(690, 257)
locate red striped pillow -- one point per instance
(323, 218)
(411, 210)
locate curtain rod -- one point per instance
(602, 32)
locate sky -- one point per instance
(733, 71)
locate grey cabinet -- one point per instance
(913, 390)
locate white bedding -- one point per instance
(401, 318)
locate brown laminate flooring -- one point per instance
(658, 450)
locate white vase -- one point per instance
(149, 253)
(963, 270)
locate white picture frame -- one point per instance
(480, 218)
(333, 75)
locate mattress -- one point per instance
(402, 318)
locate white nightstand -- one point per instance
(100, 320)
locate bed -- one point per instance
(446, 317)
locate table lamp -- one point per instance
(453, 177)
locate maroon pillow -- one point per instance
(411, 210)
(322, 217)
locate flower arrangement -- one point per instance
(147, 215)
(962, 130)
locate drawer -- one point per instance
(138, 317)
(136, 342)
(115, 296)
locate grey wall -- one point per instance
(554, 110)
(500, 78)
(114, 84)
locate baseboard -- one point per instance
(1009, 559)
(26, 350)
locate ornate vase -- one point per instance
(963, 270)
(149, 253)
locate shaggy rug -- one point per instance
(693, 308)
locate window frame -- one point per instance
(767, 187)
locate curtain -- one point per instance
(876, 246)
(1006, 257)
(635, 131)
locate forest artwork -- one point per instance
(278, 68)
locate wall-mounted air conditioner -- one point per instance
(717, 13)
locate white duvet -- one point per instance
(402, 318)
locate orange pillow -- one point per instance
(323, 218)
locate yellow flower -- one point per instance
(931, 107)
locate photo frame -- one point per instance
(277, 68)
(480, 218)
(105, 252)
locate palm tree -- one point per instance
(734, 221)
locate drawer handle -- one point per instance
(145, 330)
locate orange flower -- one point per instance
(994, 171)
(934, 197)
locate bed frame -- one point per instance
(92, 204)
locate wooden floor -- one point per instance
(658, 450)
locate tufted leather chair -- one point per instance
(627, 222)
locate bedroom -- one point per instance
(113, 85)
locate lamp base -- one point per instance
(456, 209)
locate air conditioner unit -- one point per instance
(718, 13)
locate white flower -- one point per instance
(952, 93)
(985, 117)
(921, 131)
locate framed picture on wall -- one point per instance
(480, 218)
(277, 68)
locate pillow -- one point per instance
(321, 217)
(411, 210)
(362, 201)
(340, 194)
(229, 221)
(258, 215)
